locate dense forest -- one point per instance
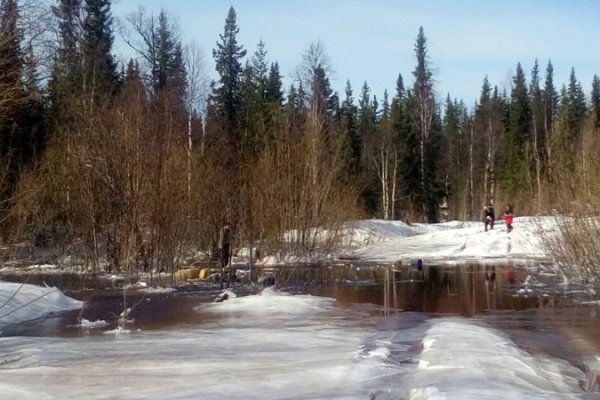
(123, 164)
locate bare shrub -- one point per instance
(576, 245)
(298, 204)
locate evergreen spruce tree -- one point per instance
(260, 68)
(65, 80)
(295, 110)
(250, 100)
(535, 94)
(227, 94)
(12, 98)
(550, 99)
(366, 114)
(273, 97)
(324, 101)
(575, 107)
(262, 100)
(163, 50)
(21, 109)
(515, 182)
(486, 143)
(11, 62)
(132, 78)
(168, 70)
(428, 125)
(571, 116)
(100, 75)
(595, 102)
(274, 86)
(177, 78)
(435, 188)
(367, 132)
(537, 134)
(353, 142)
(456, 158)
(407, 145)
(386, 159)
(35, 134)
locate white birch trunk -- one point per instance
(189, 156)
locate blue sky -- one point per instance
(374, 40)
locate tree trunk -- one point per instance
(538, 164)
(189, 156)
(394, 180)
(471, 183)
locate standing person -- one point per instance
(508, 218)
(489, 216)
(224, 250)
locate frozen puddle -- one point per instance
(278, 346)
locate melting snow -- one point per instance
(280, 346)
(23, 302)
(389, 241)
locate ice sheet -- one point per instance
(464, 360)
(23, 302)
(279, 346)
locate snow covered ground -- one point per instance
(389, 241)
(282, 346)
(368, 240)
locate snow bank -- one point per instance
(251, 356)
(23, 302)
(357, 234)
(271, 303)
(463, 360)
(327, 352)
(100, 323)
(389, 241)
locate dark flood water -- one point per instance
(539, 314)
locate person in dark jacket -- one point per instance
(489, 216)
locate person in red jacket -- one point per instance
(508, 218)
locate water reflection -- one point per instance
(504, 295)
(542, 317)
(538, 315)
(466, 290)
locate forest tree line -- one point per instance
(121, 163)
